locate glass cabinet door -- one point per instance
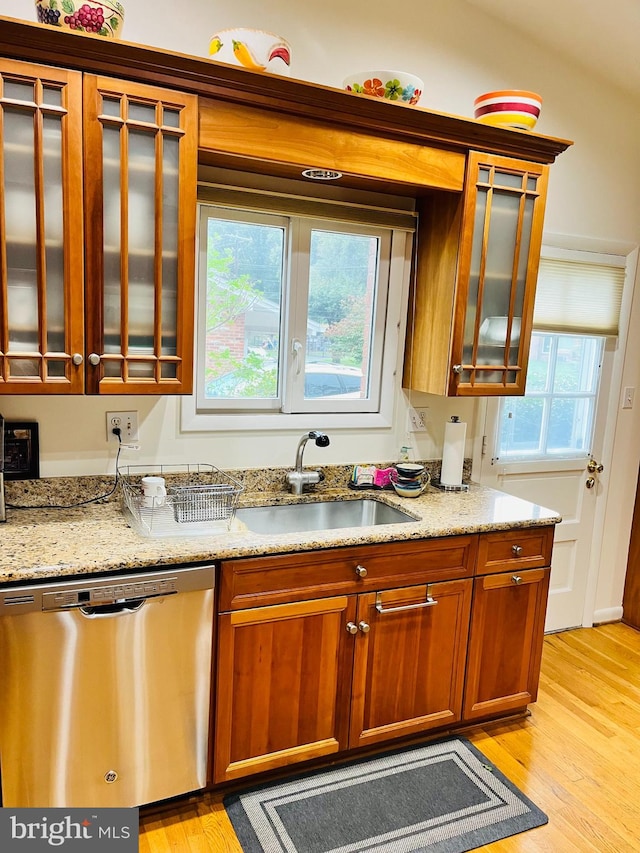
(41, 230)
(140, 184)
(500, 248)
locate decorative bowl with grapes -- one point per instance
(98, 17)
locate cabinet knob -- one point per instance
(517, 550)
(77, 359)
(516, 579)
(94, 359)
(590, 482)
(457, 368)
(364, 627)
(352, 628)
(361, 571)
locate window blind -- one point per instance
(579, 297)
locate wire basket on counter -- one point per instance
(200, 499)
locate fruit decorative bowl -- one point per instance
(99, 17)
(256, 50)
(389, 85)
(508, 108)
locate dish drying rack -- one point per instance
(201, 499)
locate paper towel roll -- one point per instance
(453, 453)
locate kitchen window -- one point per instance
(298, 314)
(555, 419)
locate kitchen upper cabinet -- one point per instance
(140, 161)
(410, 654)
(97, 234)
(41, 236)
(472, 301)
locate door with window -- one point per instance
(549, 446)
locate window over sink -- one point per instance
(300, 311)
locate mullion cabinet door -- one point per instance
(140, 162)
(498, 266)
(41, 230)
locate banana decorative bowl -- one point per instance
(257, 50)
(388, 85)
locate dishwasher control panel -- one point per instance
(114, 590)
(92, 596)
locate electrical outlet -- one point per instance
(128, 424)
(417, 419)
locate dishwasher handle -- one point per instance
(102, 611)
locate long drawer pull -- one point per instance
(381, 609)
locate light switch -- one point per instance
(627, 397)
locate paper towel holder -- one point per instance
(445, 487)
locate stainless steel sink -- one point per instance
(320, 515)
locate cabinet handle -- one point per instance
(361, 571)
(457, 368)
(352, 628)
(77, 359)
(428, 603)
(516, 579)
(517, 550)
(94, 359)
(364, 627)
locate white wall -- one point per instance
(459, 52)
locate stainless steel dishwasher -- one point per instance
(105, 689)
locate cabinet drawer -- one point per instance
(257, 581)
(514, 549)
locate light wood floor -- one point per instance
(577, 757)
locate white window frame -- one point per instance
(548, 395)
(391, 320)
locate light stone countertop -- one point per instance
(40, 544)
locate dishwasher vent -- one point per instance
(18, 599)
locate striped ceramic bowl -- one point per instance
(508, 108)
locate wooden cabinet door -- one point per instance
(283, 685)
(505, 642)
(409, 660)
(477, 262)
(498, 265)
(41, 230)
(140, 162)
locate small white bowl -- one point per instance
(387, 85)
(409, 490)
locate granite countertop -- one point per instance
(39, 544)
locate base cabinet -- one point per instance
(283, 685)
(303, 680)
(409, 662)
(380, 659)
(505, 643)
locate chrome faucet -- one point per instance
(298, 478)
(3, 509)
